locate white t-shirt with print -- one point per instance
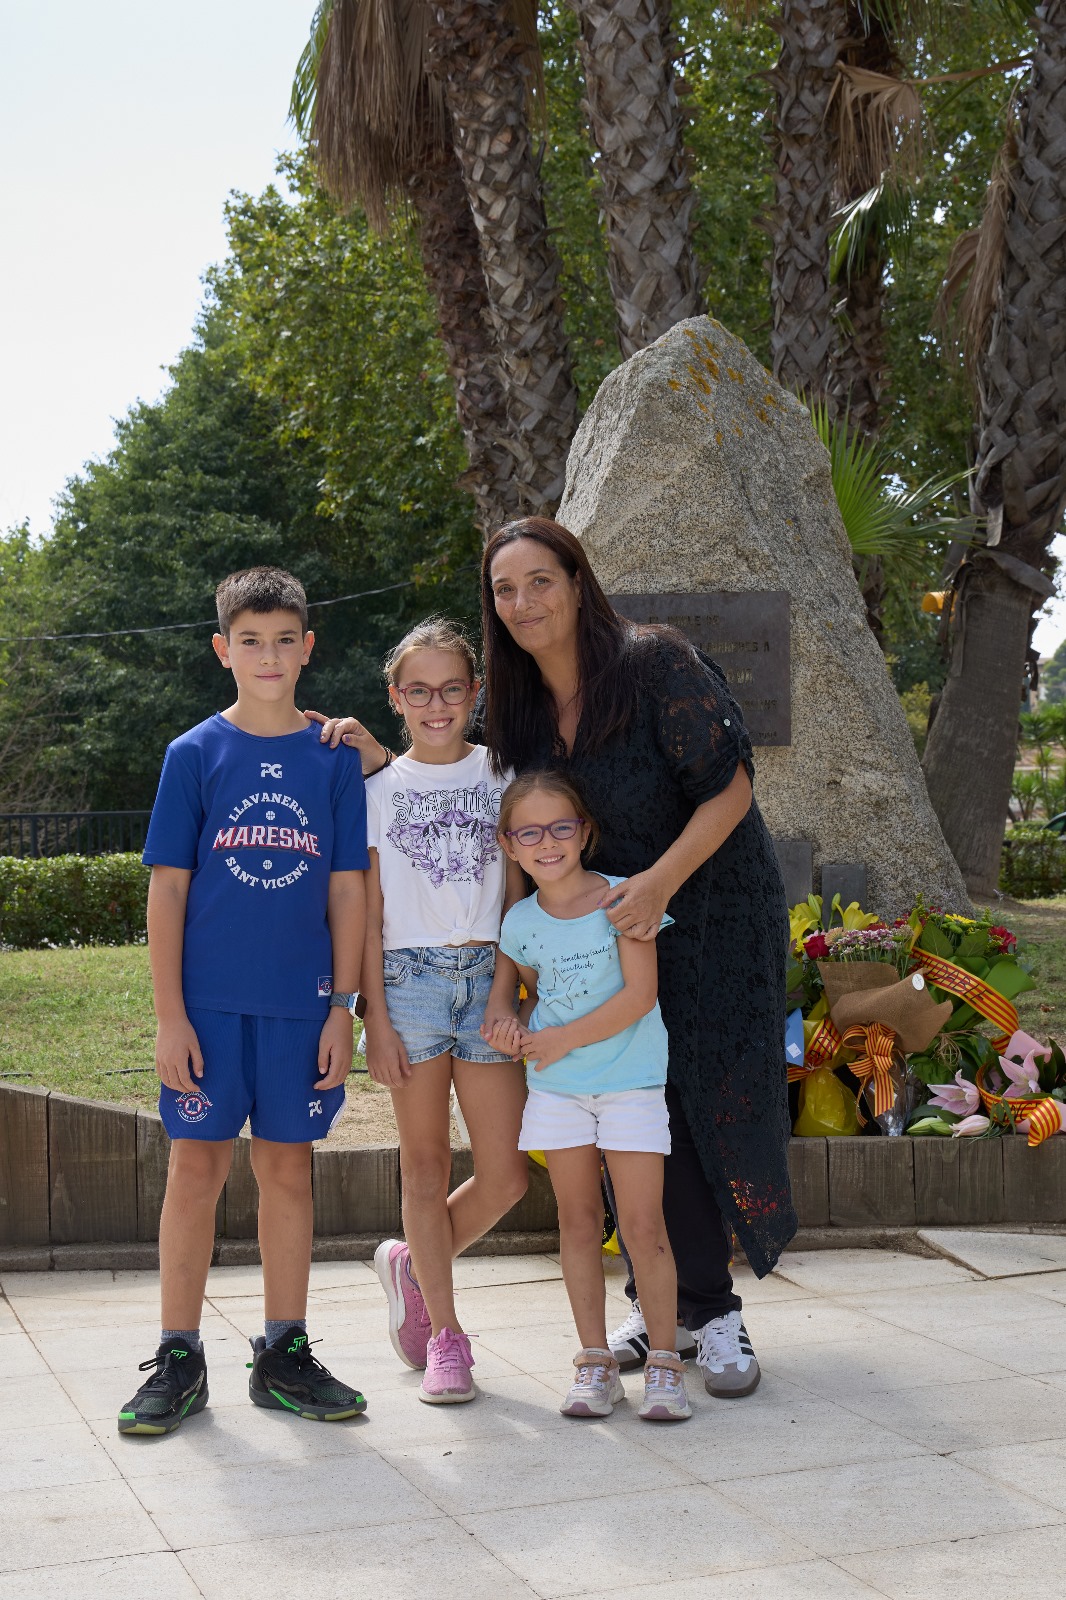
(442, 868)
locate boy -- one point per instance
(256, 913)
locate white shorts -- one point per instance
(632, 1119)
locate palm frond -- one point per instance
(372, 112)
(887, 210)
(880, 520)
(378, 116)
(305, 78)
(878, 123)
(975, 266)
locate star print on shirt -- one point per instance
(564, 986)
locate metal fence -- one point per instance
(71, 833)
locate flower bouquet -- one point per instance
(875, 1012)
(1024, 1092)
(907, 1009)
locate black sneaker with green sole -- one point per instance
(287, 1377)
(177, 1389)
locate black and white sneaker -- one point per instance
(729, 1364)
(177, 1389)
(629, 1343)
(287, 1377)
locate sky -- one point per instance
(126, 125)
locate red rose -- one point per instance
(816, 948)
(1005, 940)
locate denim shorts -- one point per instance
(436, 998)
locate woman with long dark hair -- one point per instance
(648, 730)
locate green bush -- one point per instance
(1033, 864)
(61, 900)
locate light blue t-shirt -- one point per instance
(578, 969)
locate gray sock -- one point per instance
(191, 1337)
(274, 1329)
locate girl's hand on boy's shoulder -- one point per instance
(177, 1050)
(350, 731)
(545, 1047)
(386, 1059)
(335, 1045)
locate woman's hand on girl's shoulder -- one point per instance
(386, 1059)
(636, 905)
(351, 732)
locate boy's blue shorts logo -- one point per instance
(325, 988)
(193, 1105)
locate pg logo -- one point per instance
(270, 769)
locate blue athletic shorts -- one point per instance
(436, 998)
(263, 1068)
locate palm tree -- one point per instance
(872, 107)
(646, 196)
(800, 223)
(1018, 331)
(380, 135)
(476, 52)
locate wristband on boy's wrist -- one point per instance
(389, 759)
(348, 1001)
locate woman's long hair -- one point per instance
(519, 717)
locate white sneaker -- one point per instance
(597, 1388)
(730, 1369)
(629, 1342)
(665, 1399)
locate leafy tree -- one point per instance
(30, 691)
(1053, 676)
(213, 478)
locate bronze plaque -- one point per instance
(747, 634)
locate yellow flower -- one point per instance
(801, 919)
(855, 917)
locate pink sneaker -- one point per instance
(409, 1324)
(447, 1381)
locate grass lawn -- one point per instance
(81, 1020)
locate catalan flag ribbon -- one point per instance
(995, 1008)
(879, 1047)
(823, 1046)
(1044, 1120)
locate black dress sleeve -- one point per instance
(699, 727)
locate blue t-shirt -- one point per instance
(261, 823)
(578, 969)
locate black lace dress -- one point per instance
(722, 964)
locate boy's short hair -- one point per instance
(259, 589)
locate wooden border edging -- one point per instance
(78, 1173)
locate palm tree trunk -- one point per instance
(1019, 483)
(800, 222)
(646, 195)
(476, 53)
(859, 358)
(451, 256)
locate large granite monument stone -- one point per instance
(694, 472)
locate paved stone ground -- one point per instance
(908, 1440)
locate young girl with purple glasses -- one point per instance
(596, 1051)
